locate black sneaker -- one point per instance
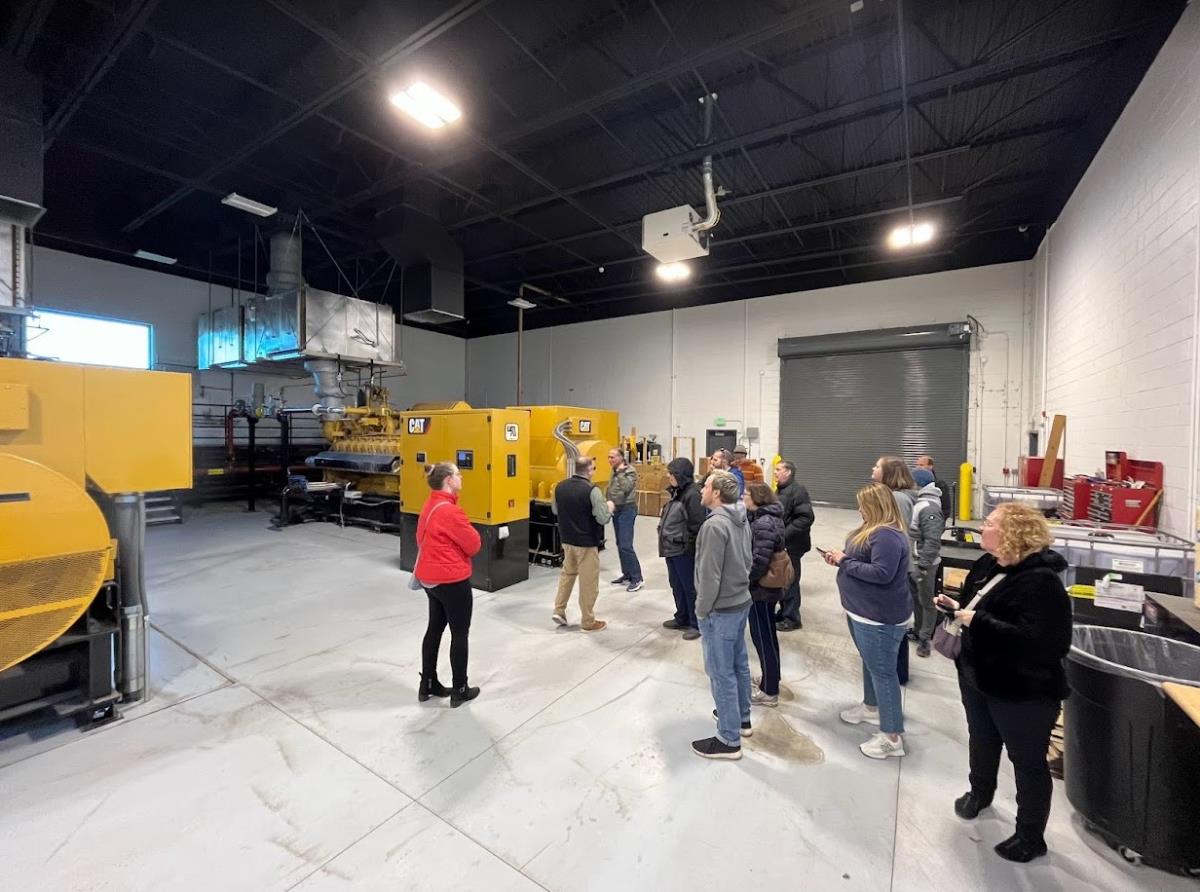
(620, 580)
(747, 731)
(787, 625)
(911, 635)
(673, 624)
(923, 649)
(970, 804)
(1018, 847)
(713, 748)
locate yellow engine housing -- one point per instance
(64, 428)
(594, 432)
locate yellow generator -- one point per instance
(491, 448)
(561, 435)
(79, 448)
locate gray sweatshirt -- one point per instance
(723, 558)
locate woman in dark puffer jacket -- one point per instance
(766, 526)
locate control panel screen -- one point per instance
(465, 459)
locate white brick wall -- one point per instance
(673, 373)
(1122, 291)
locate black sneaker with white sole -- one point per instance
(715, 748)
(635, 586)
(747, 731)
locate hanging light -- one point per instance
(910, 235)
(673, 272)
(427, 105)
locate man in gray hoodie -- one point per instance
(925, 530)
(723, 558)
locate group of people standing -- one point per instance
(733, 552)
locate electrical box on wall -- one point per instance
(669, 236)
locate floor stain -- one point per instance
(775, 736)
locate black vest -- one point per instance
(576, 523)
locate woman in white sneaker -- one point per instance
(873, 582)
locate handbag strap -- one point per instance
(426, 529)
(991, 584)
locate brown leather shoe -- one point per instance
(597, 626)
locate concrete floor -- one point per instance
(284, 748)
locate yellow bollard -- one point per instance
(966, 473)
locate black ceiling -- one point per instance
(580, 117)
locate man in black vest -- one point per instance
(582, 514)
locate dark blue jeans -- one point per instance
(789, 604)
(623, 519)
(681, 573)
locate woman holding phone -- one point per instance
(873, 583)
(1016, 632)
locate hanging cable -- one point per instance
(903, 54)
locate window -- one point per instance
(72, 337)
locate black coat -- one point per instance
(682, 515)
(1021, 632)
(797, 517)
(766, 538)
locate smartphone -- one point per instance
(821, 551)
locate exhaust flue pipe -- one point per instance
(712, 212)
(560, 433)
(330, 392)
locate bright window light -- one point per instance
(71, 337)
(909, 235)
(427, 105)
(673, 272)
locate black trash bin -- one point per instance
(1130, 762)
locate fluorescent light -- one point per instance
(521, 303)
(249, 205)
(426, 105)
(909, 235)
(673, 272)
(157, 258)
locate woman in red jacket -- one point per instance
(446, 542)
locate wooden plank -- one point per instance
(1186, 696)
(1057, 428)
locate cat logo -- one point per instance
(418, 425)
(585, 426)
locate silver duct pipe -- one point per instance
(287, 254)
(331, 394)
(128, 516)
(712, 214)
(560, 433)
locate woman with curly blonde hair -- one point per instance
(1016, 632)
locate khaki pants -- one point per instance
(584, 564)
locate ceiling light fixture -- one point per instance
(426, 105)
(521, 303)
(249, 205)
(673, 272)
(157, 258)
(910, 235)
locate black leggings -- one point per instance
(1023, 728)
(449, 604)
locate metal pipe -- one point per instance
(129, 529)
(712, 213)
(572, 451)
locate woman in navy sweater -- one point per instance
(873, 582)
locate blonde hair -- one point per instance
(1023, 531)
(878, 508)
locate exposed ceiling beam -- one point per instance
(429, 32)
(126, 28)
(27, 28)
(970, 77)
(883, 167)
(629, 87)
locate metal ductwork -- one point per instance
(430, 259)
(287, 253)
(20, 195)
(327, 381)
(712, 213)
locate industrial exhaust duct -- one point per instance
(430, 259)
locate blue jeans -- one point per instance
(728, 666)
(681, 573)
(789, 604)
(623, 519)
(879, 647)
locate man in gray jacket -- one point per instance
(926, 534)
(723, 557)
(622, 504)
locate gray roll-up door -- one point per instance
(841, 410)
